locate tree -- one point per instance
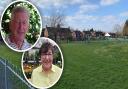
(125, 29)
(118, 30)
(55, 20)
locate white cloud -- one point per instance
(81, 18)
(108, 22)
(109, 19)
(3, 5)
(108, 2)
(1, 10)
(83, 9)
(124, 14)
(45, 4)
(103, 23)
(81, 21)
(78, 1)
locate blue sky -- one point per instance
(85, 14)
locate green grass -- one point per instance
(99, 65)
(10, 55)
(95, 65)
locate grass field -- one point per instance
(97, 65)
(10, 55)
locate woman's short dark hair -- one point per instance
(45, 47)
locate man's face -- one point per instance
(47, 59)
(19, 25)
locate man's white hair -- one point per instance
(19, 9)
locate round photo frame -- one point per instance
(32, 65)
(35, 25)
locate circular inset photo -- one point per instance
(42, 65)
(21, 25)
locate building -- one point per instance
(56, 33)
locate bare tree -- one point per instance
(118, 30)
(55, 20)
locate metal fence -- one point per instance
(11, 77)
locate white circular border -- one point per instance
(40, 25)
(52, 42)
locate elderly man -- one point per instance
(46, 74)
(18, 26)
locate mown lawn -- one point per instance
(99, 65)
(95, 65)
(10, 55)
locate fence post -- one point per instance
(5, 74)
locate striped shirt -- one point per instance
(25, 44)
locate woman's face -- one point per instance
(46, 60)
